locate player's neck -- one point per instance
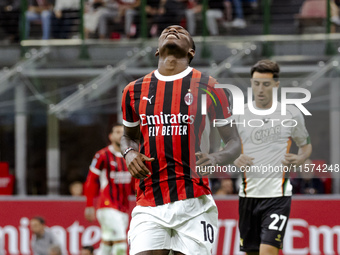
(263, 107)
(40, 234)
(170, 65)
(116, 147)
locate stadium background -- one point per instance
(59, 98)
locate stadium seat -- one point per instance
(6, 180)
(313, 13)
(326, 177)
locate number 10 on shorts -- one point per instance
(208, 231)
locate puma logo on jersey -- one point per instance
(148, 99)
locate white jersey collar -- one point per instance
(180, 75)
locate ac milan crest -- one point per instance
(189, 98)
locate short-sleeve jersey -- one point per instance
(109, 175)
(267, 139)
(168, 110)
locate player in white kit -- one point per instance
(265, 193)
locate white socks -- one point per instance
(120, 248)
(117, 249)
(104, 249)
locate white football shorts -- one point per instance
(113, 224)
(188, 226)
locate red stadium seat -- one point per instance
(6, 180)
(313, 13)
(324, 175)
(313, 9)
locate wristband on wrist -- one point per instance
(127, 151)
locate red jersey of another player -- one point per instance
(168, 111)
(109, 175)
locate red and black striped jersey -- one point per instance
(169, 110)
(109, 178)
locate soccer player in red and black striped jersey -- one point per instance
(163, 126)
(110, 177)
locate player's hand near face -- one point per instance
(90, 214)
(293, 159)
(244, 160)
(135, 163)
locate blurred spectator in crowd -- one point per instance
(226, 187)
(54, 250)
(9, 18)
(124, 7)
(192, 13)
(170, 12)
(217, 12)
(62, 23)
(133, 16)
(42, 238)
(130, 14)
(86, 250)
(239, 21)
(335, 19)
(39, 10)
(307, 182)
(76, 188)
(94, 10)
